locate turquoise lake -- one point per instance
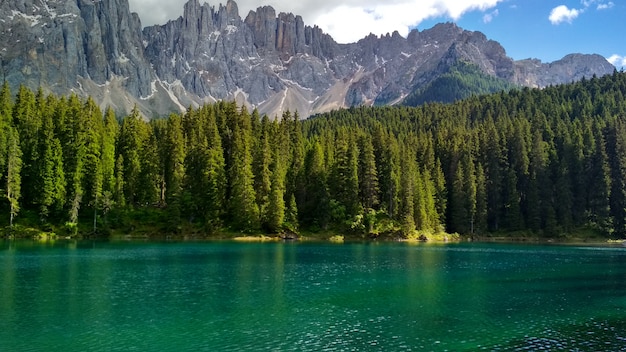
(229, 296)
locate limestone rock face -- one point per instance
(59, 44)
(269, 61)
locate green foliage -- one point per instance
(13, 172)
(461, 81)
(542, 162)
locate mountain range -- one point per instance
(268, 61)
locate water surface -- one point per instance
(94, 296)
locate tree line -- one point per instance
(547, 162)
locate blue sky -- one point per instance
(543, 29)
(525, 29)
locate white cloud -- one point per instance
(606, 6)
(488, 17)
(618, 61)
(345, 20)
(562, 13)
(602, 4)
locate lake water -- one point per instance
(227, 296)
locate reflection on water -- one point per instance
(77, 296)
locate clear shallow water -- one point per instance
(94, 296)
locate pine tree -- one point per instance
(537, 170)
(291, 214)
(368, 176)
(132, 138)
(75, 154)
(174, 171)
(27, 123)
(512, 213)
(275, 212)
(344, 174)
(616, 152)
(407, 192)
(118, 195)
(469, 192)
(244, 212)
(457, 212)
(494, 174)
(13, 177)
(315, 208)
(50, 195)
(262, 175)
(111, 130)
(387, 155)
(294, 179)
(480, 223)
(5, 123)
(441, 192)
(215, 173)
(598, 181)
(93, 177)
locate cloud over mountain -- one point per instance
(346, 21)
(618, 61)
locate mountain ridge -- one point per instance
(268, 61)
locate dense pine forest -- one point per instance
(549, 162)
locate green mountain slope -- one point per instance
(461, 81)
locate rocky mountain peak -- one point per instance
(269, 61)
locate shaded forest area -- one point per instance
(549, 162)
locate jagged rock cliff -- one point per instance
(268, 61)
(91, 47)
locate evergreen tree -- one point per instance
(344, 175)
(75, 154)
(275, 212)
(174, 171)
(261, 168)
(494, 174)
(93, 177)
(5, 123)
(441, 192)
(132, 138)
(151, 177)
(118, 195)
(109, 136)
(294, 178)
(480, 222)
(616, 152)
(27, 122)
(368, 176)
(316, 207)
(407, 195)
(598, 181)
(387, 155)
(457, 212)
(244, 212)
(512, 213)
(469, 192)
(291, 214)
(50, 195)
(549, 161)
(13, 176)
(537, 170)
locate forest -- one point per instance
(526, 162)
(460, 81)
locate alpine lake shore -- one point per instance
(189, 233)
